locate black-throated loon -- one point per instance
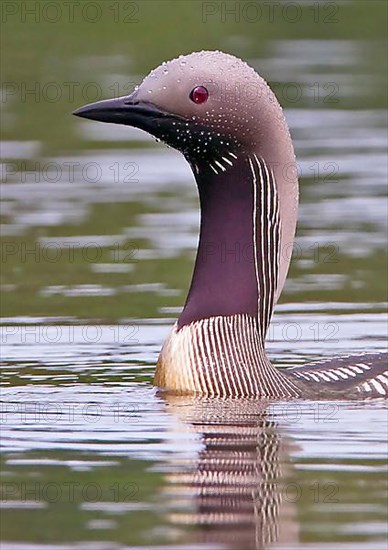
(227, 122)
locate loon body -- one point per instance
(227, 122)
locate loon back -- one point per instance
(227, 122)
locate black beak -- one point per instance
(126, 110)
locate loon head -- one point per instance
(214, 108)
(204, 104)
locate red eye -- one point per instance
(199, 94)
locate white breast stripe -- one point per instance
(204, 359)
(266, 238)
(191, 357)
(224, 356)
(214, 377)
(227, 373)
(254, 215)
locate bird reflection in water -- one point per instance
(232, 493)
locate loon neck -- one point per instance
(237, 264)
